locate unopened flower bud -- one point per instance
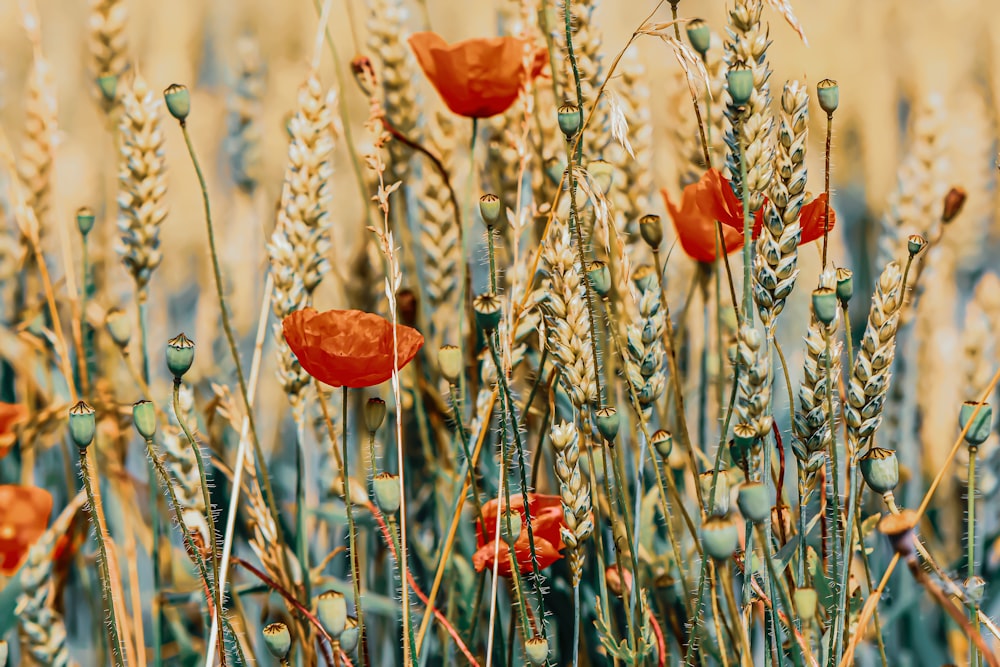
(386, 487)
(828, 93)
(608, 423)
(845, 285)
(915, 244)
(144, 418)
(602, 174)
(537, 650)
(178, 100)
(278, 640)
(981, 425)
(700, 36)
(721, 505)
(331, 607)
(180, 355)
(490, 208)
(644, 277)
(374, 413)
(739, 80)
(510, 526)
(824, 302)
(651, 230)
(118, 326)
(450, 363)
(663, 442)
(615, 584)
(570, 120)
(719, 538)
(953, 203)
(82, 424)
(84, 220)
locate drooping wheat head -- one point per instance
(575, 494)
(243, 131)
(108, 44)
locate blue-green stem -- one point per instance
(352, 533)
(301, 538)
(391, 521)
(836, 644)
(463, 436)
(602, 582)
(975, 657)
(747, 226)
(632, 637)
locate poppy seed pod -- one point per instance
(600, 278)
(537, 650)
(278, 640)
(144, 418)
(82, 424)
(488, 310)
(975, 588)
(899, 529)
(450, 363)
(84, 220)
(510, 527)
(845, 285)
(880, 468)
(720, 507)
(981, 425)
(719, 538)
(118, 327)
(915, 243)
(570, 120)
(824, 302)
(108, 85)
(651, 230)
(644, 277)
(754, 501)
(608, 423)
(180, 355)
(602, 173)
(374, 414)
(386, 487)
(349, 637)
(806, 601)
(331, 607)
(700, 36)
(828, 93)
(178, 100)
(953, 203)
(663, 442)
(739, 81)
(490, 208)
(744, 438)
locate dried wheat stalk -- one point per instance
(243, 132)
(575, 494)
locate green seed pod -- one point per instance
(374, 413)
(118, 326)
(570, 120)
(450, 363)
(491, 209)
(739, 80)
(719, 538)
(386, 487)
(331, 607)
(744, 438)
(899, 529)
(644, 277)
(651, 230)
(488, 310)
(600, 278)
(602, 174)
(845, 285)
(915, 243)
(663, 442)
(981, 426)
(178, 100)
(511, 524)
(975, 588)
(722, 496)
(144, 418)
(349, 637)
(84, 220)
(880, 468)
(828, 93)
(608, 423)
(82, 424)
(180, 355)
(700, 36)
(825, 305)
(278, 640)
(806, 601)
(754, 500)
(108, 85)
(537, 650)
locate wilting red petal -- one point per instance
(476, 78)
(547, 521)
(812, 219)
(695, 227)
(348, 348)
(24, 514)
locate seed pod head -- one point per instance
(488, 310)
(953, 203)
(144, 418)
(331, 607)
(806, 601)
(374, 414)
(825, 305)
(981, 425)
(719, 538)
(386, 487)
(537, 650)
(450, 363)
(491, 209)
(754, 500)
(828, 93)
(178, 100)
(349, 637)
(644, 277)
(82, 424)
(510, 526)
(845, 284)
(744, 438)
(570, 120)
(118, 326)
(108, 85)
(602, 174)
(608, 423)
(663, 442)
(84, 220)
(600, 278)
(975, 588)
(915, 243)
(880, 468)
(722, 499)
(899, 529)
(739, 81)
(278, 640)
(651, 230)
(180, 355)
(700, 35)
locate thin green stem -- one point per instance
(747, 226)
(352, 533)
(490, 236)
(154, 496)
(871, 586)
(975, 657)
(391, 521)
(301, 538)
(826, 188)
(463, 436)
(784, 599)
(836, 645)
(632, 638)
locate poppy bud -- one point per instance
(331, 607)
(488, 310)
(118, 326)
(602, 174)
(845, 285)
(981, 425)
(349, 637)
(615, 582)
(663, 442)
(278, 640)
(953, 203)
(144, 418)
(915, 244)
(700, 36)
(600, 278)
(975, 588)
(899, 529)
(386, 487)
(825, 305)
(108, 85)
(490, 208)
(719, 538)
(180, 355)
(754, 501)
(178, 100)
(450, 363)
(828, 93)
(644, 277)
(82, 424)
(510, 527)
(537, 650)
(608, 423)
(806, 601)
(374, 413)
(406, 306)
(84, 220)
(739, 80)
(880, 468)
(570, 120)
(651, 230)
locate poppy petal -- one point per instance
(812, 219)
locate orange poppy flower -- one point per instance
(547, 521)
(11, 414)
(476, 78)
(348, 348)
(24, 514)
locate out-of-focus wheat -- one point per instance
(38, 147)
(243, 132)
(587, 43)
(684, 131)
(633, 183)
(179, 460)
(108, 42)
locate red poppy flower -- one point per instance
(547, 520)
(348, 348)
(11, 414)
(24, 514)
(476, 78)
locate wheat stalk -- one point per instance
(243, 132)
(587, 43)
(646, 355)
(37, 151)
(179, 460)
(107, 42)
(575, 495)
(753, 395)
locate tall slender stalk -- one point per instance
(352, 534)
(975, 657)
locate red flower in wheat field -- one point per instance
(547, 521)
